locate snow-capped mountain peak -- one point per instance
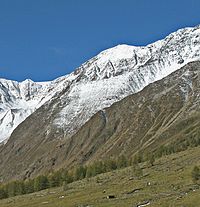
(108, 77)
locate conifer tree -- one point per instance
(3, 193)
(41, 183)
(80, 173)
(196, 174)
(151, 159)
(137, 170)
(29, 186)
(122, 162)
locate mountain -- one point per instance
(57, 134)
(20, 99)
(109, 77)
(164, 112)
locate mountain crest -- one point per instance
(98, 83)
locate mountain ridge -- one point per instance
(106, 78)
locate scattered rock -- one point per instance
(45, 202)
(39, 195)
(148, 183)
(134, 190)
(51, 192)
(143, 204)
(110, 196)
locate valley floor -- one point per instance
(166, 184)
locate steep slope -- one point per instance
(121, 71)
(165, 111)
(103, 80)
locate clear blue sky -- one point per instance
(44, 39)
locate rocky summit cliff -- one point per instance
(103, 80)
(123, 100)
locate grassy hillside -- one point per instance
(167, 183)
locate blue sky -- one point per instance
(44, 39)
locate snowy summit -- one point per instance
(103, 80)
